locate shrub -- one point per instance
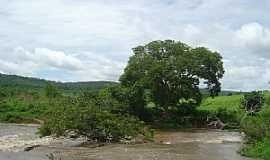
(257, 127)
(254, 127)
(252, 102)
(51, 91)
(90, 120)
(259, 149)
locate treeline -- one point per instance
(159, 88)
(12, 85)
(160, 85)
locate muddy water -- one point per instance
(173, 145)
(170, 145)
(13, 139)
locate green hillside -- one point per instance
(23, 99)
(14, 83)
(230, 103)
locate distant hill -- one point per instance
(20, 83)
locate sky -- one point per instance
(83, 40)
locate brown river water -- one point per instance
(195, 144)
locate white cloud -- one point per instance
(57, 59)
(249, 76)
(255, 37)
(44, 57)
(84, 66)
(22, 68)
(24, 62)
(92, 40)
(98, 67)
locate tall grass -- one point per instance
(257, 129)
(258, 149)
(225, 108)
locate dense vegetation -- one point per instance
(96, 116)
(257, 125)
(163, 79)
(25, 100)
(160, 85)
(251, 113)
(225, 109)
(12, 85)
(159, 88)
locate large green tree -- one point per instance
(169, 71)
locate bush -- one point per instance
(259, 149)
(254, 127)
(228, 116)
(18, 111)
(90, 120)
(252, 102)
(257, 127)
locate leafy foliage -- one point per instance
(164, 72)
(94, 120)
(259, 149)
(51, 91)
(257, 128)
(23, 109)
(26, 100)
(252, 102)
(159, 84)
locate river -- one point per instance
(195, 144)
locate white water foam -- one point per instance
(17, 143)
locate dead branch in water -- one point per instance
(218, 124)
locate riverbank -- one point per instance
(217, 108)
(193, 144)
(258, 149)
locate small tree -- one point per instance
(252, 102)
(51, 91)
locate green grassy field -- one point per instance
(225, 108)
(231, 103)
(231, 106)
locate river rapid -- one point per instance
(195, 144)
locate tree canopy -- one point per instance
(166, 72)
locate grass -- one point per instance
(255, 148)
(260, 149)
(19, 111)
(225, 108)
(231, 103)
(258, 130)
